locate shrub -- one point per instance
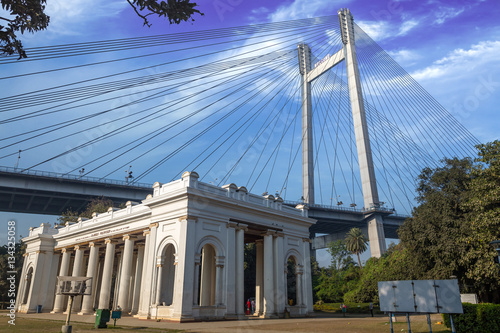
(477, 318)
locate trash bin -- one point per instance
(38, 309)
(101, 318)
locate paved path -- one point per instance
(261, 325)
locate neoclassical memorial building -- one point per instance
(178, 255)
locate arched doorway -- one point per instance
(166, 276)
(29, 277)
(207, 276)
(291, 281)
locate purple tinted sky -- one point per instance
(450, 47)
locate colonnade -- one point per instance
(127, 282)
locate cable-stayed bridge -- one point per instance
(312, 111)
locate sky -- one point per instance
(450, 47)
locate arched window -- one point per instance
(207, 276)
(166, 276)
(29, 277)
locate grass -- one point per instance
(351, 308)
(54, 326)
(325, 322)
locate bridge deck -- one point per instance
(40, 192)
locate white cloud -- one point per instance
(380, 30)
(461, 61)
(407, 26)
(300, 9)
(404, 56)
(66, 16)
(444, 14)
(377, 30)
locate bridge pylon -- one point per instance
(369, 185)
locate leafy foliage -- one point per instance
(393, 265)
(477, 318)
(483, 217)
(448, 234)
(333, 282)
(29, 15)
(96, 205)
(434, 234)
(25, 15)
(175, 10)
(339, 253)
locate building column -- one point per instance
(143, 311)
(298, 278)
(269, 308)
(159, 279)
(208, 258)
(22, 283)
(63, 271)
(88, 300)
(219, 265)
(138, 278)
(230, 286)
(117, 268)
(240, 269)
(196, 287)
(279, 281)
(77, 271)
(184, 275)
(308, 295)
(107, 273)
(259, 279)
(126, 274)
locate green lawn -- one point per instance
(54, 326)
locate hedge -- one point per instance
(477, 318)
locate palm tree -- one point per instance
(355, 242)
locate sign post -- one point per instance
(72, 286)
(420, 296)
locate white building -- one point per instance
(178, 255)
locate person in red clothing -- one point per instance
(248, 306)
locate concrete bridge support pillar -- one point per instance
(365, 159)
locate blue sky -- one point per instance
(450, 47)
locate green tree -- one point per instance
(175, 10)
(356, 242)
(339, 253)
(483, 218)
(25, 15)
(29, 15)
(97, 205)
(434, 234)
(333, 282)
(393, 265)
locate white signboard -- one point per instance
(422, 296)
(425, 296)
(386, 296)
(448, 296)
(396, 296)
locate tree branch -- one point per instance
(146, 22)
(5, 19)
